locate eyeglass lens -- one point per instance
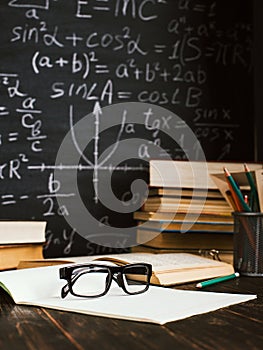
(90, 281)
(135, 278)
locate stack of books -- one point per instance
(184, 210)
(20, 240)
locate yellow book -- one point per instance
(182, 226)
(12, 254)
(152, 216)
(188, 240)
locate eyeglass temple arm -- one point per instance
(64, 291)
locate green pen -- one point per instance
(236, 190)
(254, 193)
(217, 280)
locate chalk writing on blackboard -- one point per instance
(64, 60)
(67, 158)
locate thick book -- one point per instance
(189, 226)
(15, 232)
(182, 204)
(167, 216)
(182, 200)
(190, 174)
(186, 208)
(12, 254)
(197, 202)
(189, 192)
(188, 240)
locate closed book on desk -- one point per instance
(15, 232)
(190, 174)
(183, 200)
(189, 240)
(181, 191)
(189, 226)
(165, 204)
(12, 254)
(217, 218)
(20, 240)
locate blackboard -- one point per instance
(108, 62)
(258, 78)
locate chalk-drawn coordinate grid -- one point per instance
(63, 60)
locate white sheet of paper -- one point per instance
(42, 286)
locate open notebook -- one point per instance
(41, 287)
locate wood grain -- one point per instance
(236, 327)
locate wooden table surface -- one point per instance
(236, 327)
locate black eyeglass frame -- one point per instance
(67, 273)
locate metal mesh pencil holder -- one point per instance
(248, 243)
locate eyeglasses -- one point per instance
(94, 280)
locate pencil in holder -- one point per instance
(248, 243)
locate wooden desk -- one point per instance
(236, 327)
